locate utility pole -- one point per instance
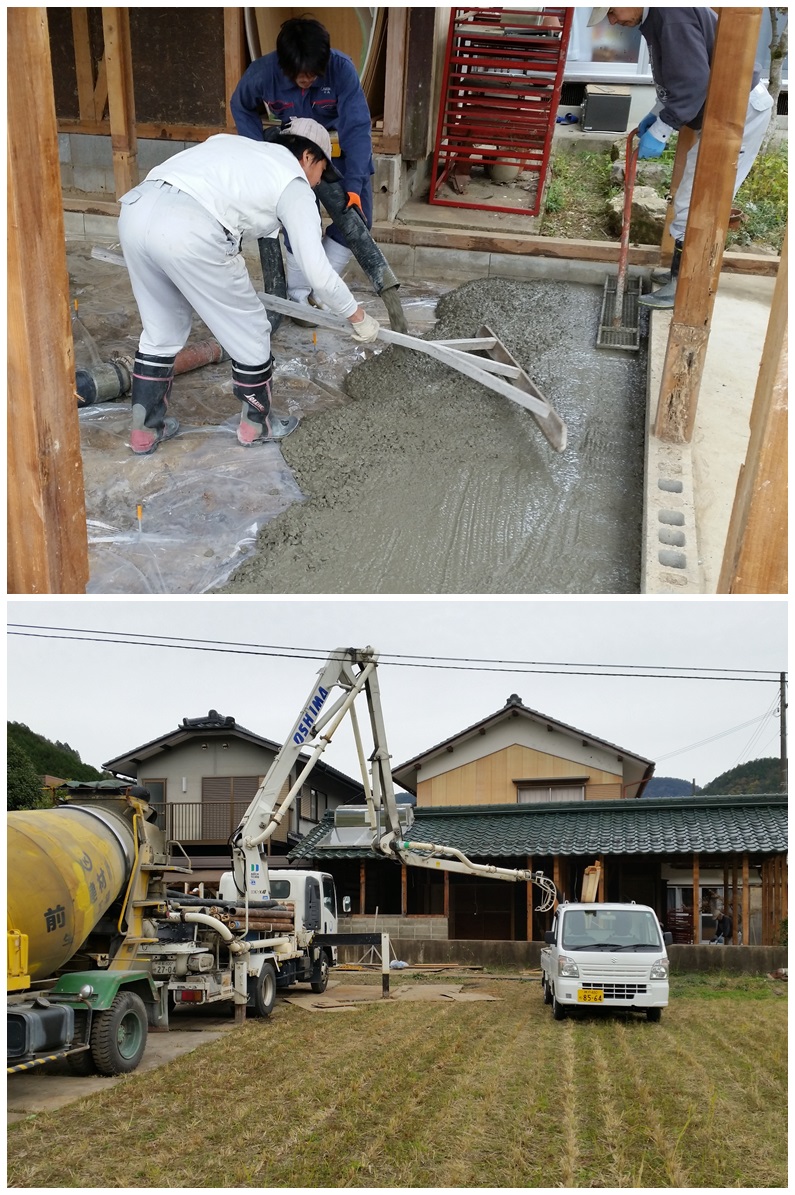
(782, 702)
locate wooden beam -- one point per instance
(234, 57)
(602, 879)
(696, 901)
(404, 890)
(735, 901)
(101, 93)
(396, 29)
(47, 543)
(121, 102)
(84, 66)
(447, 900)
(755, 556)
(708, 221)
(362, 886)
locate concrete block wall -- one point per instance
(399, 928)
(742, 960)
(87, 161)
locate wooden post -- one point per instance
(684, 143)
(447, 899)
(397, 25)
(602, 879)
(746, 905)
(708, 221)
(362, 887)
(404, 890)
(416, 134)
(755, 557)
(529, 899)
(47, 543)
(735, 909)
(556, 873)
(84, 67)
(696, 901)
(784, 889)
(234, 57)
(121, 101)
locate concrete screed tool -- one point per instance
(496, 370)
(619, 322)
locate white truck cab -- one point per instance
(606, 956)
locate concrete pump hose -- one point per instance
(223, 931)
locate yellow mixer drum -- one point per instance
(66, 867)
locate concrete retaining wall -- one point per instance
(745, 960)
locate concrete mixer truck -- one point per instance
(101, 943)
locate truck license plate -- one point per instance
(586, 996)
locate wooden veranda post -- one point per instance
(708, 221)
(755, 557)
(696, 901)
(121, 102)
(746, 938)
(47, 543)
(530, 900)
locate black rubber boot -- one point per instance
(665, 297)
(251, 384)
(152, 379)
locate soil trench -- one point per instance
(427, 483)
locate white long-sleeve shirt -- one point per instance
(254, 187)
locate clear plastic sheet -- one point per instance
(203, 497)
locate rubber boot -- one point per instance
(152, 378)
(252, 385)
(664, 298)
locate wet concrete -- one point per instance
(426, 483)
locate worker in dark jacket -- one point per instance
(681, 42)
(304, 77)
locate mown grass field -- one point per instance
(492, 1094)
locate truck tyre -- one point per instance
(547, 992)
(320, 972)
(653, 1014)
(262, 990)
(558, 1011)
(81, 1064)
(118, 1036)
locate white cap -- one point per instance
(302, 126)
(597, 15)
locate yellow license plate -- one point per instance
(588, 997)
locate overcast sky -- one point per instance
(105, 699)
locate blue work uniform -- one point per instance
(335, 100)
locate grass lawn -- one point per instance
(487, 1094)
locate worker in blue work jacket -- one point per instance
(681, 42)
(304, 77)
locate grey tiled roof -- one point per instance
(665, 826)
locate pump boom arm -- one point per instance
(352, 670)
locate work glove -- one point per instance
(366, 330)
(646, 123)
(650, 147)
(354, 201)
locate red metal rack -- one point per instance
(500, 96)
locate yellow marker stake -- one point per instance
(314, 342)
(140, 518)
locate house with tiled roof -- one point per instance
(203, 775)
(522, 790)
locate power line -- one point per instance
(450, 663)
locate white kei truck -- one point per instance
(605, 956)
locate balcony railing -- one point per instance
(202, 821)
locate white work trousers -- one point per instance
(181, 260)
(757, 118)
